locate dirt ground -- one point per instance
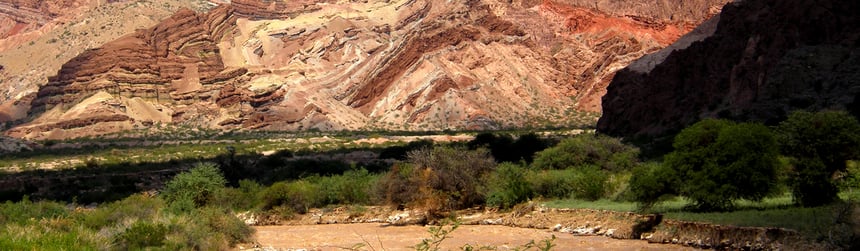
(380, 236)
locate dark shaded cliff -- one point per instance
(763, 59)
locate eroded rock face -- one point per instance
(763, 59)
(407, 65)
(275, 9)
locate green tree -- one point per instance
(718, 161)
(583, 150)
(195, 188)
(820, 144)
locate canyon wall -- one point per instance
(760, 60)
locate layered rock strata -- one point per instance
(396, 65)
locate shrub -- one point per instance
(652, 182)
(439, 179)
(298, 195)
(508, 186)
(353, 187)
(718, 161)
(820, 144)
(553, 183)
(198, 186)
(142, 234)
(590, 183)
(223, 222)
(245, 197)
(588, 150)
(134, 207)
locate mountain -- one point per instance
(34, 50)
(335, 65)
(757, 61)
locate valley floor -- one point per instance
(379, 236)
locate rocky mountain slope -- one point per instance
(760, 60)
(37, 51)
(335, 65)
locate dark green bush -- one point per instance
(588, 150)
(508, 186)
(718, 161)
(821, 144)
(400, 152)
(505, 149)
(652, 182)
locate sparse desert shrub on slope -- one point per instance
(441, 178)
(820, 144)
(718, 161)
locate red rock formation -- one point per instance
(274, 9)
(18, 16)
(430, 37)
(408, 65)
(146, 61)
(763, 59)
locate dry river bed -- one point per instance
(381, 236)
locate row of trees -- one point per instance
(717, 161)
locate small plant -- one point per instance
(143, 234)
(437, 235)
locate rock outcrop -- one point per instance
(760, 60)
(38, 51)
(400, 65)
(275, 9)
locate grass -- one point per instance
(778, 211)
